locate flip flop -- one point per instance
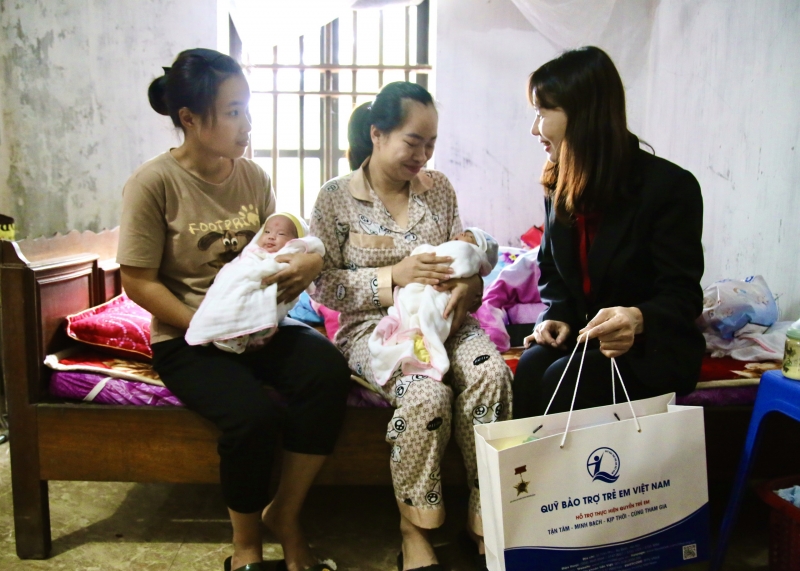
(434, 567)
(326, 565)
(260, 566)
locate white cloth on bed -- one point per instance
(413, 333)
(237, 306)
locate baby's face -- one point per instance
(277, 231)
(466, 237)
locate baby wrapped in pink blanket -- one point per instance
(412, 335)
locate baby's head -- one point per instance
(279, 229)
(483, 240)
(467, 236)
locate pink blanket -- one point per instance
(512, 298)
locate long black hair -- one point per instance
(597, 150)
(191, 82)
(387, 112)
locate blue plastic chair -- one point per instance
(776, 393)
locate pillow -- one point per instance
(104, 389)
(118, 326)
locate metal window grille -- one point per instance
(302, 99)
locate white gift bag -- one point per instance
(618, 487)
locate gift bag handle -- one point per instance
(614, 367)
(613, 384)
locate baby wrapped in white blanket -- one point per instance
(238, 312)
(412, 335)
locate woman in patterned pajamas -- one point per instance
(370, 220)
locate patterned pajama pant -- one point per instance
(476, 390)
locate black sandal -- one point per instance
(434, 567)
(260, 566)
(326, 565)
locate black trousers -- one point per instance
(307, 371)
(540, 368)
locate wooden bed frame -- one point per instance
(44, 280)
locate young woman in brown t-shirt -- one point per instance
(185, 214)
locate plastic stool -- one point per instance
(776, 393)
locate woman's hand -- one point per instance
(551, 333)
(466, 296)
(615, 327)
(427, 269)
(302, 270)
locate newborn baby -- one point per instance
(412, 335)
(278, 230)
(238, 312)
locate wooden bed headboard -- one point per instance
(59, 276)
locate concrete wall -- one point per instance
(723, 101)
(75, 116)
(712, 85)
(485, 52)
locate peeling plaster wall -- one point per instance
(75, 116)
(713, 88)
(6, 203)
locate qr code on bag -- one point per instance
(690, 551)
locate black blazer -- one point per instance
(647, 254)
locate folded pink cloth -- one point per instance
(512, 298)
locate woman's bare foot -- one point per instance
(417, 549)
(478, 539)
(296, 551)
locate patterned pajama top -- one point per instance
(362, 242)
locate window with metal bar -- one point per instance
(302, 95)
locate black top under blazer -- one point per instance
(647, 254)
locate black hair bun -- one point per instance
(156, 92)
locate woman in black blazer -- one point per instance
(621, 257)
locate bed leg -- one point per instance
(22, 333)
(32, 519)
(29, 491)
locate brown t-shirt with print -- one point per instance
(189, 228)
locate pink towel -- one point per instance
(512, 298)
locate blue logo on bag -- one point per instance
(603, 465)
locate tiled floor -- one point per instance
(115, 526)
